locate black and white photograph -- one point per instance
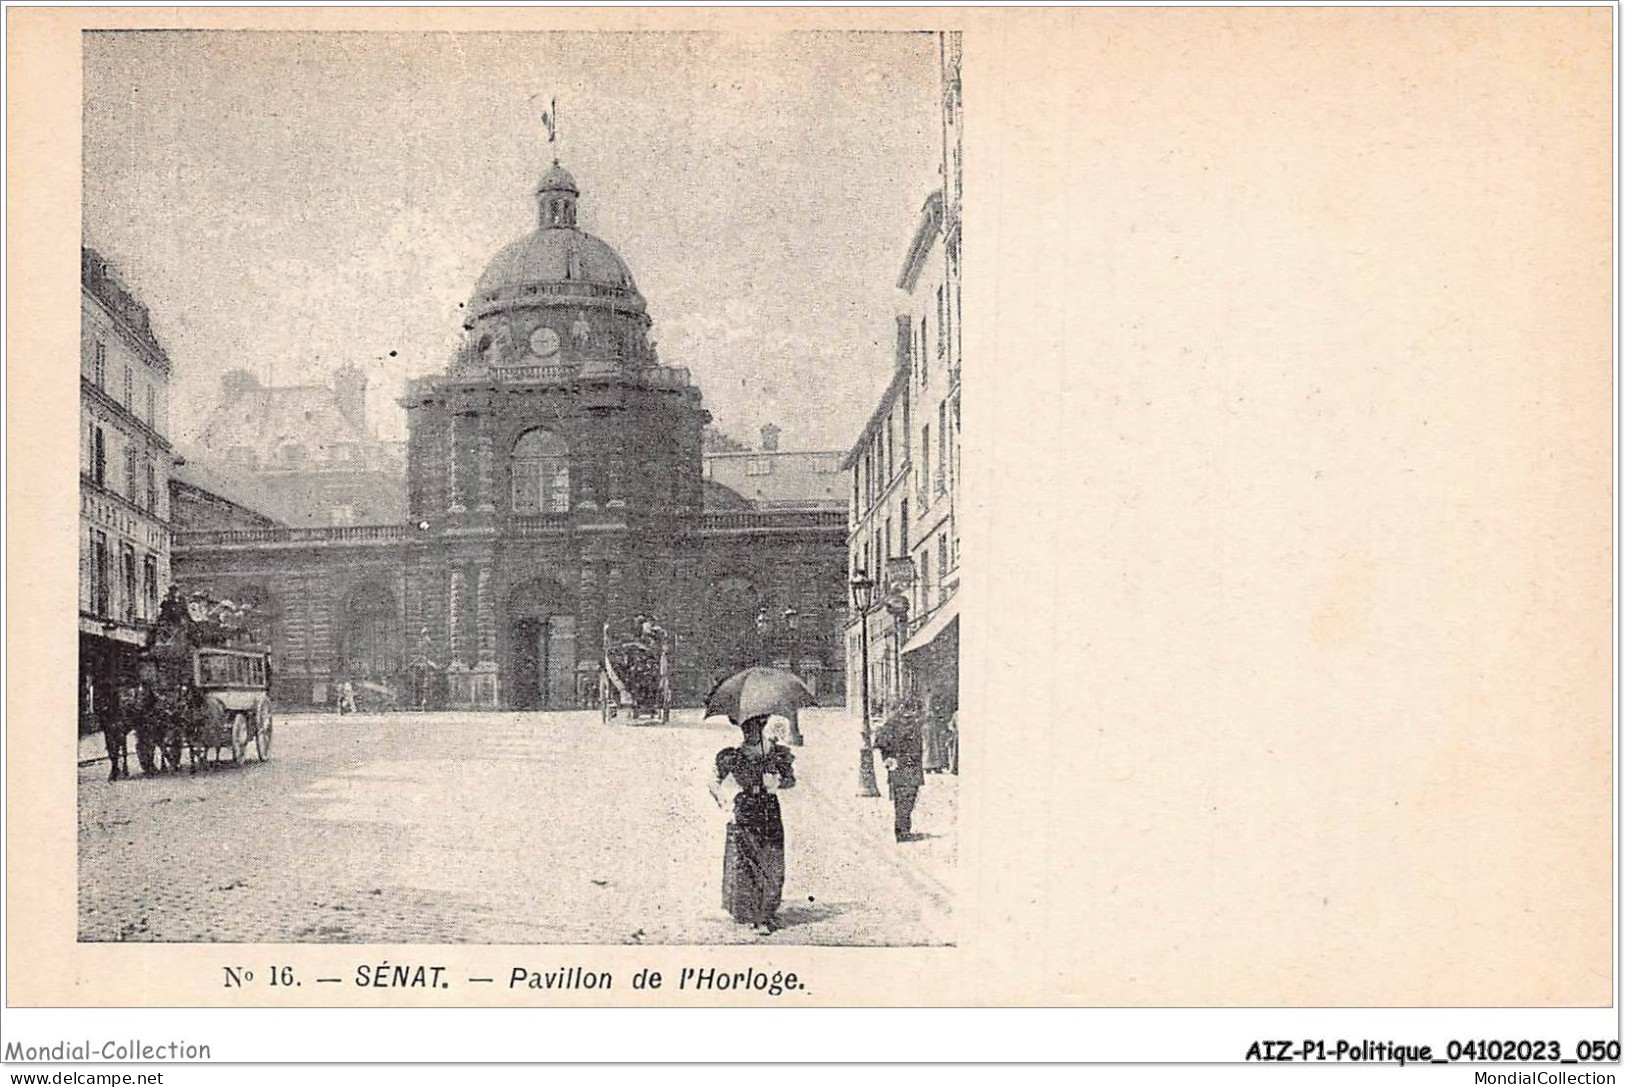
(524, 513)
(520, 487)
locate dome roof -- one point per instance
(557, 259)
(555, 255)
(557, 179)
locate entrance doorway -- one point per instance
(541, 655)
(544, 662)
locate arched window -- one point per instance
(541, 473)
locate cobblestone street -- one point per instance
(497, 828)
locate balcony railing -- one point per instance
(772, 520)
(491, 299)
(539, 524)
(556, 374)
(249, 537)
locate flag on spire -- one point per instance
(550, 119)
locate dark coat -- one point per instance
(899, 740)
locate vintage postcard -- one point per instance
(535, 469)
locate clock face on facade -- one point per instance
(544, 342)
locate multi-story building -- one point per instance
(879, 520)
(308, 449)
(555, 486)
(904, 529)
(124, 466)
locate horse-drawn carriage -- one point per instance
(635, 679)
(204, 688)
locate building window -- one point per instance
(925, 580)
(942, 323)
(541, 473)
(152, 407)
(127, 582)
(149, 586)
(130, 460)
(942, 446)
(129, 388)
(101, 365)
(925, 462)
(759, 466)
(98, 456)
(99, 588)
(908, 420)
(902, 528)
(925, 365)
(152, 488)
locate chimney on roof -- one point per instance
(770, 439)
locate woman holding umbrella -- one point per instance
(751, 774)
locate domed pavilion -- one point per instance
(555, 491)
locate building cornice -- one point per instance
(924, 234)
(110, 403)
(899, 383)
(91, 487)
(886, 492)
(113, 301)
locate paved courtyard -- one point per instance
(497, 828)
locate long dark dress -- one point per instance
(753, 858)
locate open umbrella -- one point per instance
(758, 692)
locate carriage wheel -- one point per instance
(239, 739)
(262, 737)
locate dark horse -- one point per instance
(117, 721)
(160, 728)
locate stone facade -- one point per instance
(904, 470)
(554, 486)
(124, 467)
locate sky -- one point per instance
(286, 203)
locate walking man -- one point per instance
(899, 741)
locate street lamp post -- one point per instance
(794, 735)
(761, 637)
(862, 595)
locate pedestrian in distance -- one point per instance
(933, 734)
(898, 740)
(748, 777)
